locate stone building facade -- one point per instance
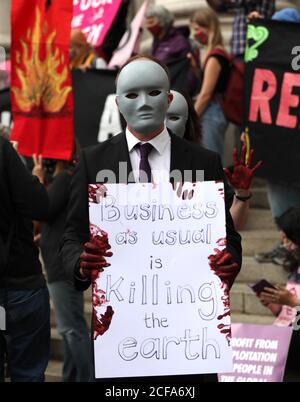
(181, 8)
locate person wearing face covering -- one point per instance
(168, 42)
(171, 46)
(143, 97)
(206, 30)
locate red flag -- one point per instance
(41, 86)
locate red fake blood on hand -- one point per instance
(222, 242)
(221, 188)
(225, 329)
(97, 233)
(101, 324)
(100, 238)
(96, 193)
(98, 296)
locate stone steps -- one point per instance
(252, 272)
(254, 241)
(243, 300)
(260, 218)
(53, 372)
(259, 198)
(251, 319)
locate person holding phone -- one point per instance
(284, 301)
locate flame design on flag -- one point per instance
(43, 88)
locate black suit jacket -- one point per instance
(23, 198)
(106, 156)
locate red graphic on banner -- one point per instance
(41, 86)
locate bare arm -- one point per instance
(211, 75)
(240, 211)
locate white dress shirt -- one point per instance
(159, 157)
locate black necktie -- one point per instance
(145, 169)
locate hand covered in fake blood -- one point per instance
(224, 266)
(242, 175)
(93, 258)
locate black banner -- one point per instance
(96, 116)
(272, 90)
(179, 73)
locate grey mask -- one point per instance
(177, 114)
(142, 95)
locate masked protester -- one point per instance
(24, 297)
(181, 118)
(151, 153)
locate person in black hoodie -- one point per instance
(24, 298)
(68, 302)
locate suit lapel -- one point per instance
(121, 159)
(181, 158)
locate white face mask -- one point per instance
(142, 95)
(177, 114)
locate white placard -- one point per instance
(170, 310)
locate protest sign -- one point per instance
(129, 40)
(259, 353)
(288, 315)
(160, 309)
(94, 18)
(272, 90)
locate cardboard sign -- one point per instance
(94, 18)
(160, 309)
(259, 353)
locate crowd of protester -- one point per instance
(33, 207)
